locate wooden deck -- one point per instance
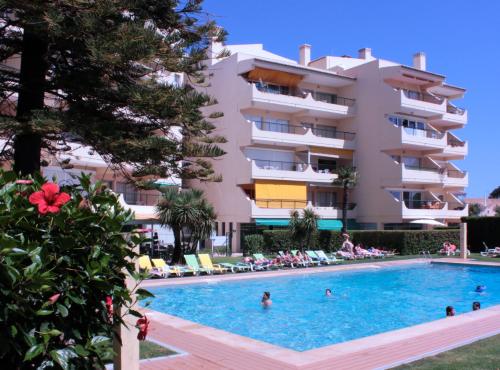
(209, 348)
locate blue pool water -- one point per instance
(363, 303)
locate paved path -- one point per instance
(209, 348)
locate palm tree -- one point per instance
(303, 228)
(347, 179)
(190, 217)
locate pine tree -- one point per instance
(91, 72)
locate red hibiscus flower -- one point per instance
(49, 200)
(109, 306)
(142, 324)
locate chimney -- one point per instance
(365, 53)
(214, 48)
(419, 60)
(304, 54)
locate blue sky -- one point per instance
(461, 39)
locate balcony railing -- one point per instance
(424, 204)
(280, 165)
(417, 95)
(281, 203)
(431, 134)
(141, 199)
(423, 168)
(333, 134)
(291, 91)
(456, 173)
(454, 110)
(336, 205)
(325, 168)
(455, 142)
(279, 127)
(331, 98)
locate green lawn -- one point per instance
(151, 350)
(481, 355)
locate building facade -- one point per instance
(290, 126)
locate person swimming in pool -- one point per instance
(476, 306)
(266, 300)
(480, 288)
(450, 311)
(328, 292)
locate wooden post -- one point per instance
(127, 352)
(463, 240)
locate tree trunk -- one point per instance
(177, 255)
(27, 145)
(344, 210)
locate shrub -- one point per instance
(482, 229)
(63, 263)
(405, 242)
(254, 243)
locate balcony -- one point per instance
(455, 147)
(290, 135)
(421, 175)
(421, 104)
(432, 209)
(283, 99)
(276, 208)
(289, 171)
(456, 178)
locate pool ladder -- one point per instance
(426, 254)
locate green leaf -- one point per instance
(46, 364)
(62, 310)
(43, 312)
(81, 351)
(54, 333)
(33, 352)
(134, 313)
(63, 356)
(143, 293)
(13, 330)
(99, 339)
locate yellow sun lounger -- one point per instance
(206, 262)
(162, 265)
(146, 266)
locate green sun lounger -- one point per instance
(192, 263)
(325, 259)
(314, 258)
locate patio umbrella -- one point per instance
(426, 221)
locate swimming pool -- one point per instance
(364, 302)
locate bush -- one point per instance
(405, 242)
(482, 229)
(63, 257)
(254, 243)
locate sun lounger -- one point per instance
(490, 252)
(193, 265)
(313, 258)
(302, 262)
(325, 259)
(146, 266)
(160, 264)
(265, 263)
(206, 262)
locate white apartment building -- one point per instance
(290, 125)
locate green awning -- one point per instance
(272, 222)
(329, 225)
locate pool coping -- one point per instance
(379, 351)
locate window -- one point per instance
(276, 125)
(327, 165)
(223, 229)
(412, 199)
(129, 192)
(325, 131)
(216, 228)
(395, 194)
(412, 162)
(326, 199)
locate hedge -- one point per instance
(406, 242)
(482, 229)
